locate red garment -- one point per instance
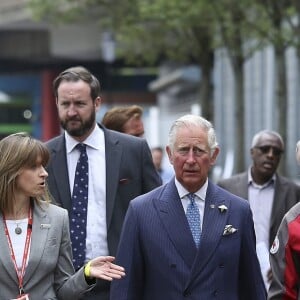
(285, 258)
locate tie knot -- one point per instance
(81, 147)
(191, 197)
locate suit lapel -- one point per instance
(213, 226)
(280, 191)
(242, 186)
(113, 152)
(38, 240)
(59, 162)
(279, 201)
(172, 216)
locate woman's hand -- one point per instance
(102, 267)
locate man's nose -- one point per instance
(191, 155)
(72, 110)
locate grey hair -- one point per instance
(259, 134)
(193, 120)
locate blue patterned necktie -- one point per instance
(193, 217)
(79, 208)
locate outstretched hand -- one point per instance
(102, 267)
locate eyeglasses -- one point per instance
(266, 149)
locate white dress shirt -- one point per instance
(199, 199)
(261, 203)
(96, 234)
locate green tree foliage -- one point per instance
(237, 35)
(273, 26)
(149, 31)
(244, 27)
(143, 29)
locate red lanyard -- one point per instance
(20, 273)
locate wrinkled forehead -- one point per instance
(191, 135)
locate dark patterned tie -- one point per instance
(79, 208)
(193, 217)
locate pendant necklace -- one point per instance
(18, 230)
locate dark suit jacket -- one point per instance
(49, 270)
(162, 261)
(129, 172)
(286, 195)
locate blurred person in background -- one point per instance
(269, 194)
(36, 255)
(298, 152)
(126, 119)
(157, 157)
(285, 254)
(118, 168)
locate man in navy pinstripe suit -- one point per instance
(157, 248)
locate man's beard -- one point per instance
(84, 128)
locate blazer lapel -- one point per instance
(242, 186)
(172, 215)
(59, 161)
(213, 226)
(113, 152)
(279, 202)
(38, 240)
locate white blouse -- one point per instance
(18, 240)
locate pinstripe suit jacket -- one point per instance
(49, 271)
(162, 261)
(286, 195)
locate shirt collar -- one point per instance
(201, 193)
(94, 140)
(252, 182)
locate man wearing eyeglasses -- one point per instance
(270, 195)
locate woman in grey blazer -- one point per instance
(35, 257)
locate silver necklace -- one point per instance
(18, 230)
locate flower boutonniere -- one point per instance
(222, 208)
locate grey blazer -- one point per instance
(129, 173)
(286, 195)
(49, 273)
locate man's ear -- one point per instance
(169, 152)
(97, 103)
(215, 155)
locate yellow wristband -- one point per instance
(87, 269)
